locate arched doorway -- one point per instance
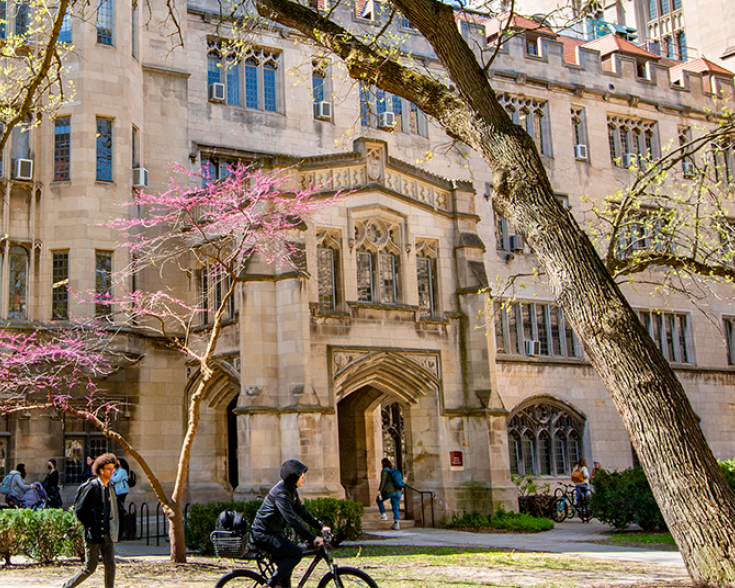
(377, 393)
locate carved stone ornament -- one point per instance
(375, 164)
(252, 390)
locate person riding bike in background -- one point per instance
(283, 507)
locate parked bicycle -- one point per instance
(225, 545)
(568, 504)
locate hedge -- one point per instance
(343, 516)
(501, 520)
(623, 498)
(43, 535)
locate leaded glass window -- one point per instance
(62, 148)
(105, 16)
(544, 438)
(103, 284)
(18, 283)
(104, 149)
(60, 285)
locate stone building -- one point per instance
(389, 344)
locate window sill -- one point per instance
(379, 306)
(517, 358)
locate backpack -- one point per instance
(397, 478)
(7, 481)
(132, 479)
(78, 497)
(577, 476)
(232, 521)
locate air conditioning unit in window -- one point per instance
(515, 243)
(533, 347)
(217, 92)
(140, 177)
(323, 110)
(689, 169)
(580, 152)
(630, 160)
(386, 120)
(23, 169)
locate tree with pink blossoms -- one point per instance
(250, 217)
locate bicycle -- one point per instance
(339, 576)
(566, 505)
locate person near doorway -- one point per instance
(283, 507)
(51, 486)
(120, 481)
(388, 491)
(96, 508)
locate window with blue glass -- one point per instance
(65, 32)
(104, 149)
(22, 18)
(105, 10)
(256, 67)
(407, 117)
(62, 148)
(3, 18)
(319, 69)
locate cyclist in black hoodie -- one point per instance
(283, 507)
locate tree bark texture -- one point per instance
(696, 501)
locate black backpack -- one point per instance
(233, 522)
(78, 496)
(132, 479)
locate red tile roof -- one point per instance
(570, 48)
(615, 44)
(701, 65)
(518, 23)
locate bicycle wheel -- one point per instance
(559, 509)
(351, 578)
(241, 579)
(584, 509)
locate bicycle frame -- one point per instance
(266, 566)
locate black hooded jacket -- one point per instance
(283, 506)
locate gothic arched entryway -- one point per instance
(377, 392)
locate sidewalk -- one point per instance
(572, 538)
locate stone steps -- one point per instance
(371, 520)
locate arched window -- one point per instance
(378, 263)
(544, 438)
(18, 283)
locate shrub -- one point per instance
(44, 535)
(728, 470)
(501, 521)
(519, 522)
(623, 498)
(343, 516)
(533, 497)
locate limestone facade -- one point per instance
(388, 343)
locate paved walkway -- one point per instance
(572, 537)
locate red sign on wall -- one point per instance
(455, 458)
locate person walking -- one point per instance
(283, 506)
(120, 480)
(96, 508)
(51, 485)
(18, 487)
(389, 491)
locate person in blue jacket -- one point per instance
(120, 481)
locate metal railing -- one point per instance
(145, 528)
(422, 495)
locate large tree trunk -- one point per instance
(695, 499)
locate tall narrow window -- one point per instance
(134, 30)
(18, 283)
(233, 80)
(426, 277)
(22, 18)
(62, 148)
(65, 32)
(730, 338)
(318, 81)
(103, 284)
(60, 285)
(105, 10)
(671, 333)
(135, 148)
(388, 285)
(3, 18)
(325, 277)
(104, 149)
(364, 276)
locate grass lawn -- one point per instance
(639, 538)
